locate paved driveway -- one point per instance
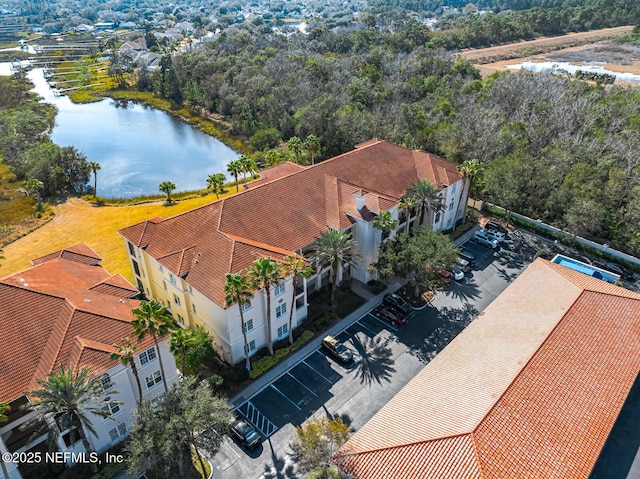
(386, 359)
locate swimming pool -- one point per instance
(585, 268)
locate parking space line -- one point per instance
(301, 384)
(285, 396)
(317, 372)
(259, 420)
(386, 323)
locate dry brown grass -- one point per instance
(77, 221)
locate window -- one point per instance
(438, 216)
(111, 408)
(180, 320)
(132, 249)
(176, 300)
(451, 206)
(246, 306)
(453, 188)
(190, 290)
(161, 269)
(283, 330)
(140, 285)
(136, 267)
(153, 380)
(278, 289)
(105, 382)
(118, 432)
(252, 346)
(281, 310)
(193, 308)
(172, 279)
(147, 356)
(248, 325)
(164, 285)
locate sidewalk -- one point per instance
(282, 367)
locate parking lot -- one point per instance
(385, 359)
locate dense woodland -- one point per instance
(25, 145)
(553, 148)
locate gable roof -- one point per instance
(65, 310)
(284, 213)
(530, 388)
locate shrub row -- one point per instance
(262, 365)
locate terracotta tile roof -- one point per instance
(80, 253)
(60, 312)
(285, 213)
(535, 385)
(275, 173)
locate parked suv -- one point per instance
(495, 234)
(492, 225)
(483, 239)
(245, 434)
(397, 302)
(389, 314)
(336, 349)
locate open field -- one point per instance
(595, 47)
(77, 221)
(484, 56)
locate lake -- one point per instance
(138, 147)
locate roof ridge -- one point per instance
(257, 244)
(178, 251)
(376, 193)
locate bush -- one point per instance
(262, 365)
(323, 321)
(235, 374)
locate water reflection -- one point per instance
(138, 147)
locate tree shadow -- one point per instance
(375, 363)
(280, 467)
(465, 290)
(451, 323)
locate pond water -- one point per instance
(571, 68)
(137, 147)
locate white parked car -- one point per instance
(457, 274)
(485, 240)
(499, 236)
(463, 264)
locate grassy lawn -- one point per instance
(78, 221)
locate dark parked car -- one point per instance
(397, 302)
(336, 349)
(245, 434)
(389, 314)
(617, 269)
(492, 225)
(467, 255)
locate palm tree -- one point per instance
(248, 165)
(238, 289)
(235, 168)
(312, 145)
(471, 171)
(179, 341)
(154, 319)
(426, 199)
(384, 223)
(125, 352)
(264, 273)
(295, 146)
(94, 167)
(167, 187)
(407, 204)
(295, 266)
(273, 158)
(335, 248)
(216, 181)
(66, 399)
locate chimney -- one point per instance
(360, 200)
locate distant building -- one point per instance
(67, 310)
(104, 26)
(530, 389)
(182, 261)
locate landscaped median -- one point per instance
(262, 365)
